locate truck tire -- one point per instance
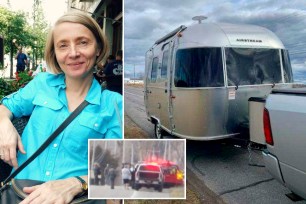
(137, 187)
(160, 188)
(158, 131)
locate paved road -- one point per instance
(105, 192)
(134, 108)
(223, 166)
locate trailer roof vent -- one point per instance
(199, 18)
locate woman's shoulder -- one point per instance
(47, 77)
(111, 95)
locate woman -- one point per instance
(74, 46)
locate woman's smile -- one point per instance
(76, 49)
(75, 65)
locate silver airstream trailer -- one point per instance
(199, 78)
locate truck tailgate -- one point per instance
(288, 123)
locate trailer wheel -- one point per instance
(158, 131)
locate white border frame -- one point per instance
(138, 198)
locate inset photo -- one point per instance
(137, 169)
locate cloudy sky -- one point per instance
(147, 21)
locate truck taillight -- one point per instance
(267, 127)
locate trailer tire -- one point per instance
(158, 131)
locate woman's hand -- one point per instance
(53, 192)
(9, 139)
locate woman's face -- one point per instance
(75, 49)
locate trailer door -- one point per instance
(164, 99)
(151, 89)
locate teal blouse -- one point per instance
(44, 98)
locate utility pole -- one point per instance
(123, 151)
(9, 4)
(165, 151)
(132, 156)
(12, 42)
(105, 145)
(11, 59)
(169, 152)
(134, 74)
(93, 154)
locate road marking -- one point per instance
(132, 93)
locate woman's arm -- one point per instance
(9, 138)
(57, 191)
(5, 113)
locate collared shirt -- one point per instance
(44, 98)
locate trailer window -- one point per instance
(154, 69)
(249, 66)
(199, 67)
(163, 73)
(288, 76)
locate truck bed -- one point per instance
(287, 111)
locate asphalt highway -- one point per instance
(226, 167)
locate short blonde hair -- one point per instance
(88, 22)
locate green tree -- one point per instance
(39, 30)
(13, 28)
(17, 27)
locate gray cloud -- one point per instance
(147, 21)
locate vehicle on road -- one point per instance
(149, 175)
(172, 174)
(285, 134)
(198, 79)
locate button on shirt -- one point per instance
(44, 98)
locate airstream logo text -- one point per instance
(248, 40)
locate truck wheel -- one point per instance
(137, 187)
(158, 131)
(160, 188)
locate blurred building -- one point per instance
(108, 14)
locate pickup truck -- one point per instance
(285, 134)
(149, 175)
